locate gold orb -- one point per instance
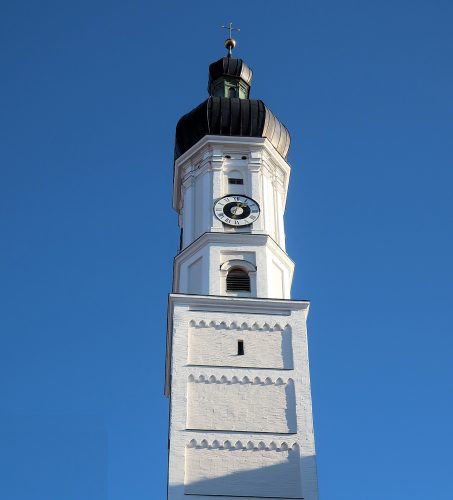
(230, 43)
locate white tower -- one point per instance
(237, 361)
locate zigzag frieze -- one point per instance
(239, 445)
(212, 379)
(234, 325)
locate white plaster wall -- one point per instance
(201, 177)
(279, 200)
(187, 221)
(278, 278)
(217, 346)
(195, 276)
(241, 471)
(238, 169)
(274, 269)
(241, 405)
(269, 208)
(199, 312)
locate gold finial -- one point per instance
(230, 42)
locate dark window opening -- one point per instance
(227, 157)
(240, 347)
(232, 92)
(238, 280)
(235, 181)
(243, 157)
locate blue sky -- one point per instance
(90, 96)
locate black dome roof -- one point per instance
(229, 111)
(230, 117)
(232, 67)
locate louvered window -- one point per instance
(238, 280)
(235, 181)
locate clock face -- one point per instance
(236, 210)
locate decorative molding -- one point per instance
(249, 266)
(239, 445)
(212, 379)
(209, 145)
(236, 325)
(241, 239)
(225, 305)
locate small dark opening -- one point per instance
(240, 347)
(227, 157)
(244, 158)
(235, 181)
(238, 280)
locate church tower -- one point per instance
(237, 371)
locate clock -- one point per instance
(236, 210)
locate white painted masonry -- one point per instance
(255, 469)
(273, 271)
(266, 346)
(237, 370)
(218, 404)
(231, 426)
(201, 178)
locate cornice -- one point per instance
(252, 239)
(223, 140)
(269, 306)
(206, 150)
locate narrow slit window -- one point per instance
(231, 180)
(240, 347)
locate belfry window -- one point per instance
(240, 348)
(232, 92)
(232, 180)
(238, 280)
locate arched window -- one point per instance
(232, 92)
(237, 280)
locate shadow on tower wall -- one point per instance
(276, 481)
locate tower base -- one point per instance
(240, 413)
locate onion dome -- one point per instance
(229, 111)
(229, 77)
(232, 117)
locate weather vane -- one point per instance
(230, 42)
